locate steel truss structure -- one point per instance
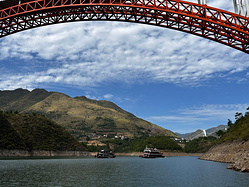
(215, 24)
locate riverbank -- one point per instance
(165, 153)
(38, 153)
(182, 154)
(236, 153)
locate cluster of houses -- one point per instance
(95, 139)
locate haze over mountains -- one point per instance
(82, 117)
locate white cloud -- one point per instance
(176, 119)
(108, 96)
(90, 95)
(98, 52)
(89, 54)
(198, 114)
(216, 111)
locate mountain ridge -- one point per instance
(199, 133)
(82, 117)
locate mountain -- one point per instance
(199, 133)
(82, 117)
(190, 136)
(212, 131)
(20, 99)
(33, 132)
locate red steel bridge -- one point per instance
(199, 19)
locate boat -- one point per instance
(112, 154)
(151, 153)
(105, 154)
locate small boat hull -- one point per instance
(151, 156)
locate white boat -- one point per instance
(151, 153)
(105, 154)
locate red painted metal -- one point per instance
(201, 20)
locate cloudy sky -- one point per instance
(175, 80)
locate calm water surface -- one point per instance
(120, 171)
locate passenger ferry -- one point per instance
(105, 154)
(151, 153)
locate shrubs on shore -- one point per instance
(138, 144)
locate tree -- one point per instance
(220, 133)
(229, 123)
(238, 115)
(247, 112)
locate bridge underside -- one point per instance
(214, 24)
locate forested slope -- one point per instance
(34, 132)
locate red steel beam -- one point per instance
(201, 20)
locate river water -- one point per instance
(119, 171)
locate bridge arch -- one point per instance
(215, 24)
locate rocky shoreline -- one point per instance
(236, 153)
(38, 153)
(182, 154)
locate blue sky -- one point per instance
(175, 80)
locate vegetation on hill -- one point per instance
(138, 144)
(34, 132)
(80, 116)
(199, 145)
(9, 138)
(20, 99)
(239, 130)
(232, 146)
(105, 104)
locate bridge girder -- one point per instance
(208, 22)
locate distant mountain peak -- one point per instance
(199, 133)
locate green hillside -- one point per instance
(81, 117)
(199, 145)
(138, 145)
(239, 130)
(9, 137)
(33, 132)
